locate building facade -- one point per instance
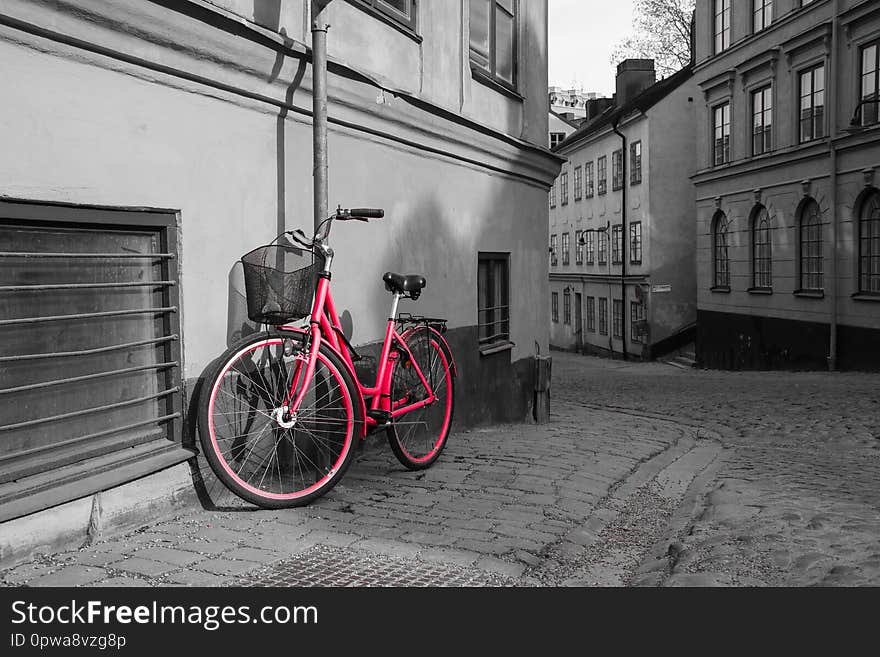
(787, 200)
(148, 145)
(622, 273)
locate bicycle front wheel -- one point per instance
(256, 447)
(417, 438)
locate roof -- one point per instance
(641, 103)
(573, 124)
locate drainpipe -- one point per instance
(623, 233)
(831, 81)
(319, 108)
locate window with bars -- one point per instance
(635, 163)
(721, 131)
(603, 247)
(812, 104)
(635, 242)
(720, 256)
(578, 183)
(553, 195)
(722, 25)
(762, 262)
(493, 40)
(554, 307)
(616, 244)
(566, 307)
(762, 121)
(869, 244)
(870, 84)
(402, 12)
(565, 249)
(617, 317)
(588, 180)
(617, 170)
(578, 247)
(636, 321)
(603, 316)
(89, 349)
(591, 314)
(601, 174)
(590, 239)
(493, 298)
(554, 253)
(810, 237)
(762, 14)
(563, 188)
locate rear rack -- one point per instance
(407, 319)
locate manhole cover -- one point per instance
(331, 566)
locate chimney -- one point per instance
(633, 77)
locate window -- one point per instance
(563, 188)
(616, 244)
(870, 76)
(578, 247)
(617, 170)
(636, 319)
(617, 318)
(402, 12)
(591, 314)
(603, 247)
(603, 316)
(869, 244)
(722, 25)
(762, 272)
(635, 242)
(635, 163)
(578, 183)
(810, 238)
(556, 138)
(721, 261)
(553, 195)
(588, 176)
(493, 39)
(762, 121)
(565, 257)
(493, 298)
(554, 307)
(566, 307)
(812, 108)
(553, 252)
(721, 124)
(602, 172)
(762, 14)
(590, 238)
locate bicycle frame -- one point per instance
(325, 327)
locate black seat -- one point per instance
(411, 284)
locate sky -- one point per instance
(582, 35)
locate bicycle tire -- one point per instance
(293, 465)
(419, 437)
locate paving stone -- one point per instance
(70, 576)
(226, 567)
(121, 582)
(197, 578)
(169, 555)
(146, 567)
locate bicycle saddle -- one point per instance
(411, 283)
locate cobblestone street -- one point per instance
(646, 475)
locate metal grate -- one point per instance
(330, 566)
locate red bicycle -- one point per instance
(281, 411)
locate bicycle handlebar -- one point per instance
(323, 231)
(366, 213)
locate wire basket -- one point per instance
(279, 282)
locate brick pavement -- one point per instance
(646, 475)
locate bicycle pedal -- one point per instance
(382, 418)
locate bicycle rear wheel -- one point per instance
(261, 453)
(417, 438)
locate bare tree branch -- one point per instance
(662, 32)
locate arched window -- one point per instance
(720, 259)
(810, 238)
(762, 257)
(869, 244)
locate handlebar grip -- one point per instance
(367, 213)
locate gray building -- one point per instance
(787, 187)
